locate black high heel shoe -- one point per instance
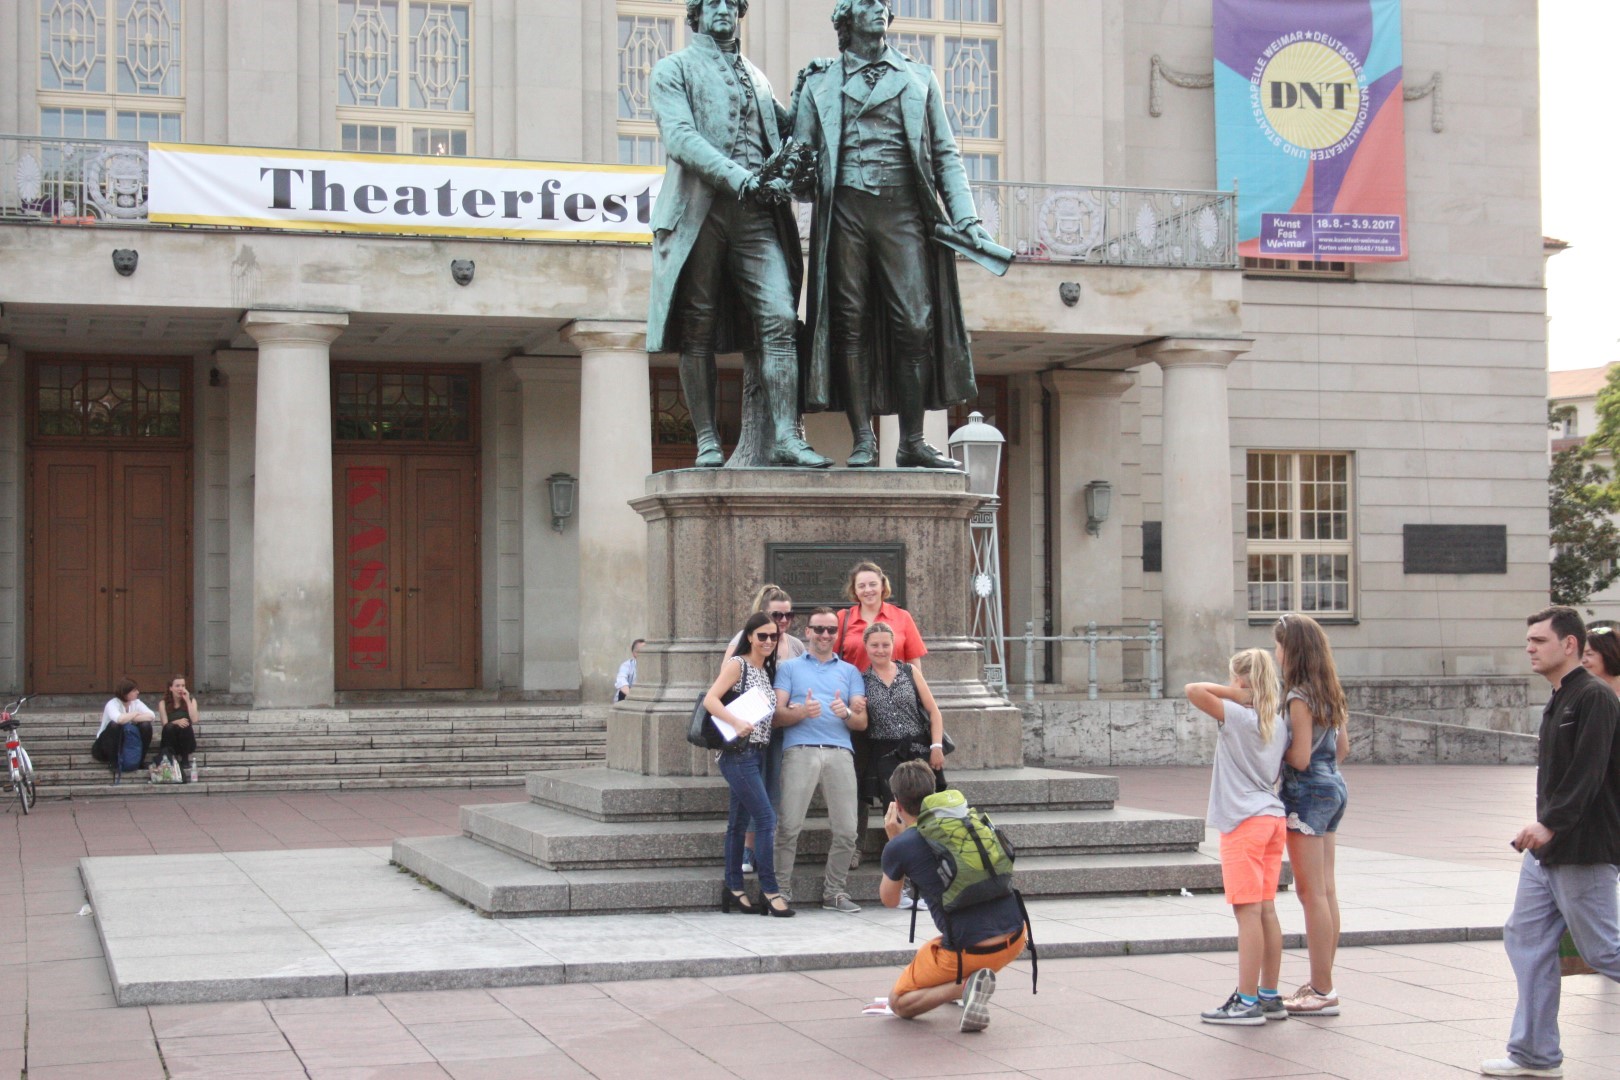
(770, 906)
(740, 901)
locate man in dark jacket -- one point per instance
(1572, 848)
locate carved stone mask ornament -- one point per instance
(124, 260)
(461, 271)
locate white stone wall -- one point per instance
(211, 535)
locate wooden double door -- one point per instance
(109, 538)
(407, 571)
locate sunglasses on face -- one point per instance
(766, 637)
(823, 629)
(782, 616)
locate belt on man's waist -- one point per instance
(994, 947)
(821, 746)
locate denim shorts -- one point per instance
(1314, 799)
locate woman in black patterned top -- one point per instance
(751, 666)
(903, 719)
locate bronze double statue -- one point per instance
(866, 136)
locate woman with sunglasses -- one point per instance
(751, 666)
(774, 601)
(1602, 655)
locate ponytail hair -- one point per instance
(1259, 670)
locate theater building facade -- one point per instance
(303, 466)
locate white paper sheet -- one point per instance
(752, 707)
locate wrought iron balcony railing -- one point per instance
(84, 181)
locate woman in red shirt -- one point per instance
(869, 588)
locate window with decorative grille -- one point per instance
(405, 76)
(1301, 552)
(111, 67)
(962, 41)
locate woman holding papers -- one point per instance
(741, 704)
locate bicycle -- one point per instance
(21, 772)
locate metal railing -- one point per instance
(1111, 226)
(72, 181)
(1092, 637)
(82, 181)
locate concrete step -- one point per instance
(139, 787)
(215, 754)
(499, 884)
(557, 840)
(613, 795)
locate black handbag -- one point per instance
(947, 744)
(699, 731)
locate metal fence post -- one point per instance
(1029, 661)
(1091, 661)
(1155, 661)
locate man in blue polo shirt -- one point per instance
(820, 699)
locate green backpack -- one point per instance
(975, 865)
(975, 857)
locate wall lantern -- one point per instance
(562, 488)
(976, 446)
(1099, 500)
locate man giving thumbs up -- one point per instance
(817, 751)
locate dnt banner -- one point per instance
(321, 191)
(1309, 127)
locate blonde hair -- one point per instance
(1259, 670)
(879, 627)
(767, 595)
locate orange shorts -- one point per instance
(1251, 859)
(935, 965)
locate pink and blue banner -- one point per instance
(1309, 127)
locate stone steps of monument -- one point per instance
(557, 840)
(503, 885)
(241, 751)
(610, 795)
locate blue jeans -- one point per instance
(1314, 800)
(773, 779)
(1550, 898)
(742, 771)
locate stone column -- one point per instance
(1198, 495)
(241, 370)
(293, 576)
(615, 457)
(549, 390)
(1087, 571)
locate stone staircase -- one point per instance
(601, 841)
(349, 749)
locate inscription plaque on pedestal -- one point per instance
(1454, 549)
(816, 575)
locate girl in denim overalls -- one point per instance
(1314, 795)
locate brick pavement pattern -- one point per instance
(1411, 1011)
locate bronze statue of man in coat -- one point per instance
(884, 308)
(726, 260)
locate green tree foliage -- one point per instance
(1581, 498)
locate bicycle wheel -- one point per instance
(23, 781)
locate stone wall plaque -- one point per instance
(1454, 549)
(1152, 547)
(816, 574)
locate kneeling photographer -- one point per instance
(981, 918)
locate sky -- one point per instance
(1579, 201)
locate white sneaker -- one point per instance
(909, 900)
(1508, 1067)
(976, 1000)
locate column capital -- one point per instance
(1194, 352)
(295, 327)
(1077, 383)
(237, 363)
(595, 335)
(542, 369)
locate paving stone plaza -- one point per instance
(1426, 985)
